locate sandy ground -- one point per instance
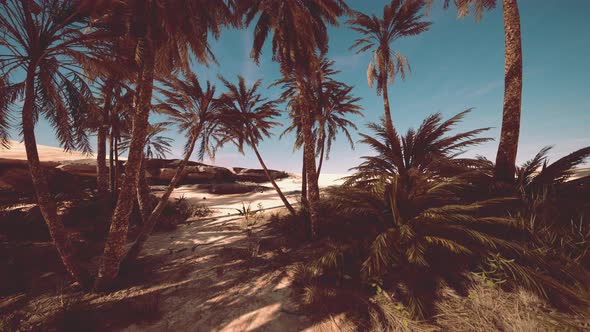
(224, 205)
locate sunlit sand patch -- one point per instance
(252, 320)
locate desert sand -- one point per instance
(46, 153)
(266, 198)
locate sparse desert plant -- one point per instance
(251, 216)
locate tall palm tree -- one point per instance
(194, 111)
(401, 18)
(46, 41)
(165, 34)
(247, 118)
(299, 34)
(505, 168)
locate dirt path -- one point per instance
(219, 278)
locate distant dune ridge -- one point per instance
(46, 153)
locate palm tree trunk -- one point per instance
(112, 164)
(388, 121)
(508, 147)
(150, 222)
(322, 148)
(309, 151)
(102, 181)
(143, 194)
(117, 168)
(115, 245)
(45, 200)
(272, 181)
(304, 182)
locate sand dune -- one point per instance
(46, 153)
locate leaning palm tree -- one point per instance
(195, 112)
(400, 19)
(505, 168)
(45, 41)
(247, 119)
(164, 36)
(299, 33)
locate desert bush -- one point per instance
(179, 211)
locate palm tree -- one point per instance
(194, 111)
(340, 103)
(247, 118)
(420, 226)
(400, 19)
(46, 41)
(299, 33)
(505, 168)
(164, 33)
(157, 146)
(333, 101)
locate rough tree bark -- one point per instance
(117, 237)
(313, 196)
(507, 149)
(143, 194)
(388, 121)
(45, 200)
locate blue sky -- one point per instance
(457, 64)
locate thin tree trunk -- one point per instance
(151, 221)
(117, 238)
(112, 164)
(117, 168)
(143, 194)
(272, 181)
(304, 182)
(102, 181)
(310, 167)
(45, 201)
(388, 121)
(508, 147)
(321, 161)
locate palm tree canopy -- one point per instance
(175, 27)
(331, 100)
(156, 145)
(464, 7)
(192, 108)
(51, 40)
(298, 26)
(400, 18)
(429, 148)
(247, 116)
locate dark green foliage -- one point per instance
(407, 224)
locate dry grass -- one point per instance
(489, 308)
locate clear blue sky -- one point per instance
(456, 65)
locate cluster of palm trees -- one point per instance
(92, 66)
